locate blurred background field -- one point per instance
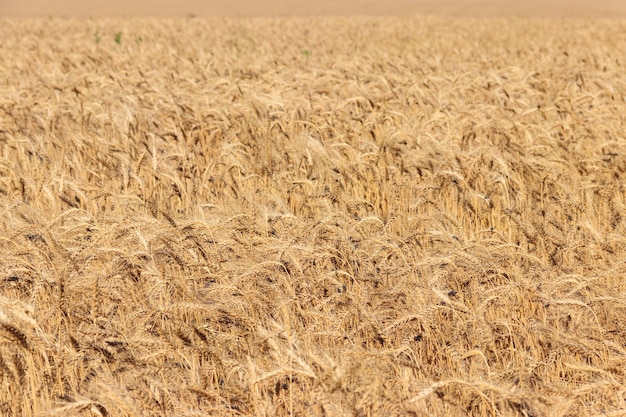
(302, 8)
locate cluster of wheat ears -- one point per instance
(312, 217)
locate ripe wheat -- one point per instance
(366, 216)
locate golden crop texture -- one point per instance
(313, 217)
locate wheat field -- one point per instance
(313, 217)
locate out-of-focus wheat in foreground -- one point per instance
(337, 217)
